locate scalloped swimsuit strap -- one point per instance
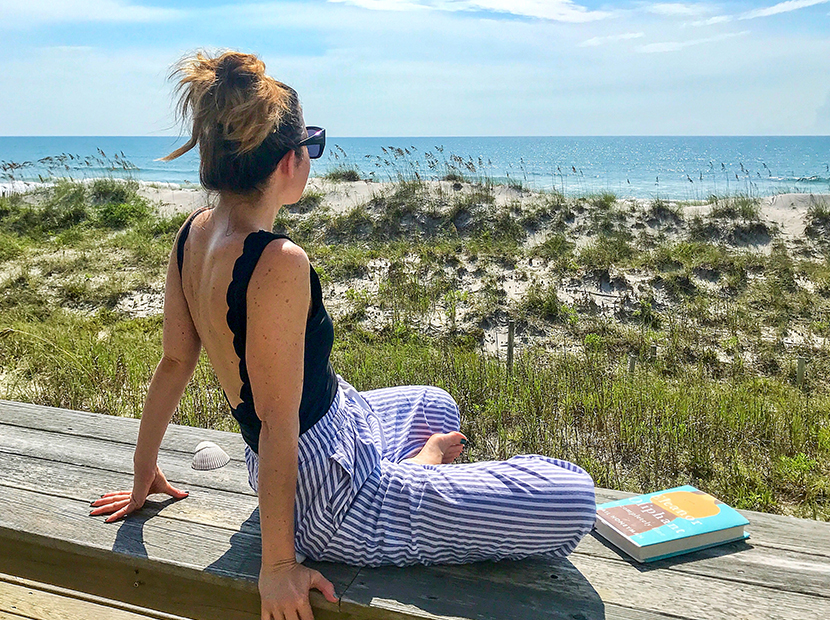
(183, 238)
(237, 298)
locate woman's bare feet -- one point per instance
(440, 448)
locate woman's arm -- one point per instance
(278, 299)
(279, 296)
(181, 346)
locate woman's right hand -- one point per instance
(284, 591)
(122, 503)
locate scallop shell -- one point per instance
(209, 456)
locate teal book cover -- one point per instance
(670, 515)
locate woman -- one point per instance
(363, 478)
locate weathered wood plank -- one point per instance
(118, 457)
(140, 583)
(535, 587)
(760, 566)
(741, 562)
(755, 564)
(115, 428)
(696, 596)
(622, 593)
(149, 535)
(208, 506)
(391, 592)
(735, 562)
(113, 576)
(784, 567)
(42, 602)
(148, 538)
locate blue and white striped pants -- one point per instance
(357, 502)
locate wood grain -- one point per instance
(42, 602)
(199, 557)
(116, 429)
(102, 453)
(147, 585)
(205, 505)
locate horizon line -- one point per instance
(329, 138)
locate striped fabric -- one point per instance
(357, 502)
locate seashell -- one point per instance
(209, 456)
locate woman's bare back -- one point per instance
(210, 252)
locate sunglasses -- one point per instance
(315, 142)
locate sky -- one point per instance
(431, 67)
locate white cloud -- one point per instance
(717, 19)
(782, 7)
(384, 5)
(17, 13)
(596, 41)
(555, 10)
(675, 46)
(776, 9)
(676, 9)
(435, 71)
(558, 10)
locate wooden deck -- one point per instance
(198, 558)
(22, 599)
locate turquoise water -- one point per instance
(683, 168)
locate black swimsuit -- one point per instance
(319, 379)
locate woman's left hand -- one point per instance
(122, 503)
(284, 591)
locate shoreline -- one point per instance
(179, 196)
(643, 167)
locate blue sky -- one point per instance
(432, 67)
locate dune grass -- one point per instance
(717, 407)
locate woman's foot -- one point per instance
(440, 448)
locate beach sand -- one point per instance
(608, 293)
(786, 211)
(338, 196)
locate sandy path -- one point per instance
(338, 196)
(788, 211)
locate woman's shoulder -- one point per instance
(279, 283)
(281, 258)
(184, 232)
(190, 218)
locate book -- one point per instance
(667, 523)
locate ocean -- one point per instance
(676, 167)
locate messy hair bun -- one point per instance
(243, 120)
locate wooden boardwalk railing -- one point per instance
(199, 558)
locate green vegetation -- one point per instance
(455, 177)
(342, 173)
(418, 275)
(818, 221)
(735, 207)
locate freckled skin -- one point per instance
(195, 311)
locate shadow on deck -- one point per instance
(199, 558)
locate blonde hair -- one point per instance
(243, 120)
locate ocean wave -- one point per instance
(808, 179)
(17, 187)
